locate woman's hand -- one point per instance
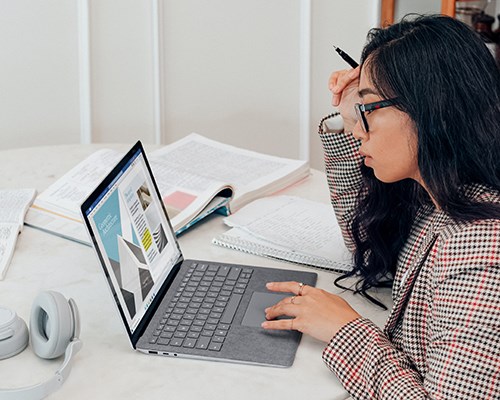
(316, 312)
(344, 87)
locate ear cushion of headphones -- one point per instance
(52, 325)
(13, 334)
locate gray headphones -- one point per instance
(54, 331)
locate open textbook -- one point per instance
(291, 229)
(13, 206)
(196, 176)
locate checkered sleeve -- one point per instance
(462, 330)
(369, 366)
(463, 355)
(342, 167)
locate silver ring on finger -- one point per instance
(301, 288)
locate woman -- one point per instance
(416, 189)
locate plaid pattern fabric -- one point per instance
(442, 338)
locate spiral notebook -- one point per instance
(291, 229)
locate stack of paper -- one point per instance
(291, 229)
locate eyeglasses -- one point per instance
(362, 108)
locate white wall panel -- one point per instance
(231, 72)
(122, 95)
(38, 73)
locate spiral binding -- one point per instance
(289, 256)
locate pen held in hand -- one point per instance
(346, 57)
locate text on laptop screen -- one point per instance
(134, 238)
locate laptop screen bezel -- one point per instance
(103, 187)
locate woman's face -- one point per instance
(390, 146)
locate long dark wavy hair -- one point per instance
(446, 80)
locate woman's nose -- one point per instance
(358, 132)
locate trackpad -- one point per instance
(255, 315)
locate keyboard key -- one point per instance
(176, 342)
(215, 346)
(213, 268)
(207, 333)
(189, 343)
(223, 270)
(202, 267)
(193, 335)
(180, 335)
(164, 342)
(203, 342)
(234, 272)
(218, 339)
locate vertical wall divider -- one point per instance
(84, 72)
(157, 58)
(305, 80)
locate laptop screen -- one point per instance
(133, 236)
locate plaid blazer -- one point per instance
(442, 337)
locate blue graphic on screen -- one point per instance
(134, 236)
(107, 220)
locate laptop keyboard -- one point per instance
(201, 312)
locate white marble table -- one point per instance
(107, 367)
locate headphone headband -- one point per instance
(54, 330)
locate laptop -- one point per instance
(173, 306)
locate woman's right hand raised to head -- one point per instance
(344, 87)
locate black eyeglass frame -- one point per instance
(360, 110)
